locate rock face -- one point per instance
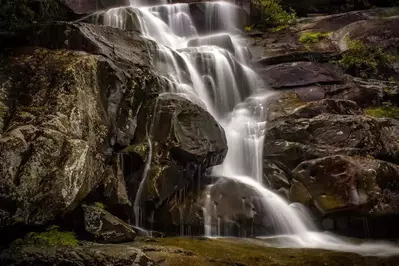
(87, 255)
(63, 114)
(103, 227)
(57, 123)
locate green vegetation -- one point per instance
(313, 37)
(52, 237)
(273, 16)
(394, 11)
(17, 14)
(361, 60)
(14, 14)
(386, 110)
(249, 28)
(99, 205)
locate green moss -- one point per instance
(3, 110)
(249, 28)
(23, 114)
(140, 149)
(389, 12)
(387, 110)
(280, 28)
(361, 60)
(99, 205)
(313, 37)
(249, 252)
(329, 202)
(52, 237)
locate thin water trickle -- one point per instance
(208, 66)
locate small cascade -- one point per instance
(203, 58)
(138, 211)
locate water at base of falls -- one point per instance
(209, 67)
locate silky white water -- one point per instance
(208, 67)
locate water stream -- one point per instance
(208, 66)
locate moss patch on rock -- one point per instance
(387, 111)
(51, 237)
(313, 37)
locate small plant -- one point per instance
(273, 15)
(386, 110)
(51, 237)
(361, 60)
(313, 37)
(249, 28)
(99, 205)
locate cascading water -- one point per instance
(207, 65)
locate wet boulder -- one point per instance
(276, 176)
(342, 183)
(129, 19)
(188, 132)
(178, 141)
(103, 227)
(221, 40)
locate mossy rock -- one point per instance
(103, 227)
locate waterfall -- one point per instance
(207, 64)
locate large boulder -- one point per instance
(103, 227)
(51, 147)
(340, 183)
(179, 141)
(63, 113)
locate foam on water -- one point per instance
(210, 70)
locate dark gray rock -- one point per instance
(185, 141)
(103, 227)
(300, 74)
